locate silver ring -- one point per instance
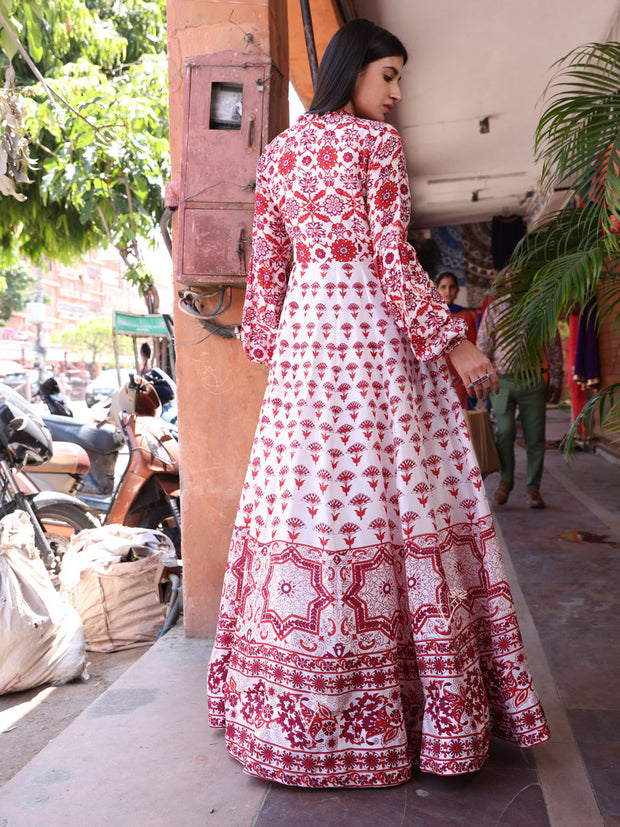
(479, 380)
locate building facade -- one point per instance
(91, 288)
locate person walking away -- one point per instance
(529, 399)
(366, 625)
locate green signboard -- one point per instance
(136, 325)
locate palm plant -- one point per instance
(573, 256)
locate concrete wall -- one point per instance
(219, 391)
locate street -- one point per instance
(30, 720)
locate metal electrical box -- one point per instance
(226, 124)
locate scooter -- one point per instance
(103, 443)
(50, 393)
(147, 493)
(64, 472)
(26, 442)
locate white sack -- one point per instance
(41, 638)
(118, 601)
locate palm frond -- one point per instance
(611, 195)
(554, 271)
(605, 405)
(609, 303)
(574, 257)
(581, 123)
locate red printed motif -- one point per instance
(366, 624)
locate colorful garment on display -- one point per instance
(479, 272)
(465, 251)
(449, 240)
(366, 624)
(587, 368)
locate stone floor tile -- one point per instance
(597, 732)
(505, 793)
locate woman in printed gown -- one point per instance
(366, 626)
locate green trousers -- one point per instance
(532, 404)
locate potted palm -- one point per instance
(571, 260)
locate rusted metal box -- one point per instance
(227, 100)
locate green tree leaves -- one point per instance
(15, 289)
(22, 20)
(14, 153)
(94, 110)
(92, 340)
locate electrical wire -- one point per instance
(191, 304)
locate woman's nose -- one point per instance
(396, 93)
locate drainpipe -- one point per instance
(309, 35)
(346, 13)
(345, 9)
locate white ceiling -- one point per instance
(472, 59)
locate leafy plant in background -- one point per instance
(16, 288)
(573, 257)
(89, 155)
(92, 341)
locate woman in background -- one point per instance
(448, 286)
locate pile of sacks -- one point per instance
(112, 596)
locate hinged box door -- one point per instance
(225, 127)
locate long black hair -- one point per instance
(351, 49)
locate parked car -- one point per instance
(104, 385)
(15, 376)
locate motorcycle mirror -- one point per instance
(15, 425)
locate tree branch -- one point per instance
(103, 221)
(130, 205)
(44, 148)
(51, 92)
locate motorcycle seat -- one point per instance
(103, 439)
(68, 458)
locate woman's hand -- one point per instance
(476, 371)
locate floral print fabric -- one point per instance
(345, 201)
(366, 624)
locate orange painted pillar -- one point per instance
(326, 20)
(219, 390)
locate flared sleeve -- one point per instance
(412, 299)
(268, 272)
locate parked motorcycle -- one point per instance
(25, 442)
(50, 393)
(64, 472)
(103, 443)
(147, 492)
(166, 390)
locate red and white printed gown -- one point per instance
(366, 623)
